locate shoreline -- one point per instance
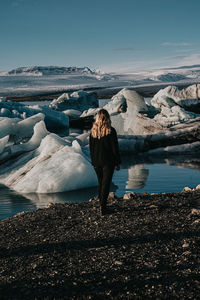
(147, 248)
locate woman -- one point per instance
(104, 152)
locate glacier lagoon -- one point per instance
(139, 178)
(151, 177)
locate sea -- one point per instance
(137, 174)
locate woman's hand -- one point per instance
(117, 167)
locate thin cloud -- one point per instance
(178, 57)
(190, 57)
(176, 44)
(125, 49)
(150, 64)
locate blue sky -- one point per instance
(109, 35)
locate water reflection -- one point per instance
(12, 203)
(137, 176)
(42, 200)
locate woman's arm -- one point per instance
(115, 148)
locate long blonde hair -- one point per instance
(102, 125)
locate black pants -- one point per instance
(104, 175)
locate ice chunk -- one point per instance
(19, 129)
(57, 168)
(53, 119)
(185, 97)
(15, 150)
(2, 99)
(72, 113)
(4, 112)
(90, 112)
(3, 143)
(132, 121)
(77, 100)
(174, 115)
(126, 98)
(7, 126)
(83, 139)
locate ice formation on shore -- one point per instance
(49, 164)
(53, 119)
(77, 100)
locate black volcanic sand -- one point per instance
(146, 248)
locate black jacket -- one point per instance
(105, 151)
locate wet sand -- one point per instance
(146, 248)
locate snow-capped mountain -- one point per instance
(48, 79)
(49, 70)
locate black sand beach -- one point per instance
(146, 248)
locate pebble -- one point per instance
(128, 196)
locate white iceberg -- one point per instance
(186, 97)
(134, 120)
(72, 113)
(53, 119)
(3, 143)
(53, 166)
(170, 116)
(79, 100)
(124, 98)
(15, 150)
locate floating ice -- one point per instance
(181, 138)
(170, 116)
(125, 98)
(53, 166)
(57, 167)
(15, 150)
(3, 143)
(19, 128)
(53, 119)
(185, 97)
(72, 113)
(133, 120)
(77, 100)
(7, 126)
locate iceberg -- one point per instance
(126, 98)
(49, 164)
(128, 112)
(170, 116)
(3, 143)
(53, 119)
(181, 138)
(186, 97)
(79, 100)
(14, 150)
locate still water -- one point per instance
(151, 178)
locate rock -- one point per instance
(198, 187)
(185, 245)
(128, 196)
(119, 263)
(195, 212)
(196, 222)
(187, 189)
(112, 195)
